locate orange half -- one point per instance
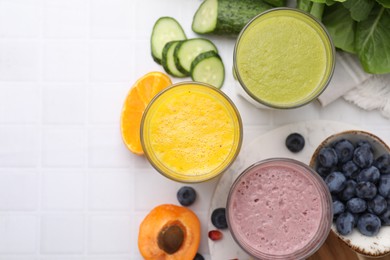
(136, 101)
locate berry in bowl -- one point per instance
(355, 166)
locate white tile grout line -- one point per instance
(86, 159)
(41, 133)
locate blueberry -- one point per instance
(344, 150)
(338, 207)
(384, 186)
(370, 174)
(369, 224)
(363, 156)
(356, 205)
(335, 181)
(198, 257)
(345, 223)
(218, 218)
(385, 217)
(349, 191)
(383, 163)
(350, 169)
(366, 190)
(295, 142)
(186, 195)
(327, 157)
(377, 205)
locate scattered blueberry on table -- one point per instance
(295, 142)
(359, 184)
(218, 218)
(186, 195)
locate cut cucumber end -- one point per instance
(205, 18)
(208, 68)
(165, 29)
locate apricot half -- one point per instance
(169, 232)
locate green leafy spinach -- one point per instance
(357, 26)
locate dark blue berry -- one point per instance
(356, 205)
(198, 257)
(345, 223)
(384, 186)
(363, 156)
(377, 205)
(218, 218)
(338, 207)
(327, 157)
(366, 190)
(186, 195)
(335, 181)
(369, 224)
(385, 217)
(349, 191)
(383, 163)
(370, 174)
(295, 142)
(344, 150)
(350, 169)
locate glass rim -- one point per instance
(332, 57)
(236, 144)
(324, 227)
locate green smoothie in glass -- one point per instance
(284, 58)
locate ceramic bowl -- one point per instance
(375, 246)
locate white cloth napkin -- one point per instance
(367, 91)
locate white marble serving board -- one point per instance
(271, 144)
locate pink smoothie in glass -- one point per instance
(276, 208)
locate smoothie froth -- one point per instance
(191, 132)
(275, 209)
(283, 58)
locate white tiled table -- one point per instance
(69, 189)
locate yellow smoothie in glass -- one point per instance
(284, 58)
(191, 132)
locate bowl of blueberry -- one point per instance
(355, 166)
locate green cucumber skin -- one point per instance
(233, 15)
(176, 58)
(165, 64)
(202, 56)
(176, 54)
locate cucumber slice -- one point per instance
(186, 52)
(208, 68)
(165, 29)
(205, 18)
(168, 61)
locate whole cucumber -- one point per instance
(226, 17)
